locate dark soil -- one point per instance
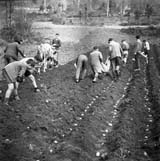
(85, 121)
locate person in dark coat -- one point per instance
(81, 67)
(12, 51)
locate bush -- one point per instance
(149, 31)
(21, 26)
(57, 20)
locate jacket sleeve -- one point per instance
(20, 51)
(23, 70)
(100, 57)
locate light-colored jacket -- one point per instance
(15, 69)
(96, 59)
(124, 46)
(115, 49)
(146, 46)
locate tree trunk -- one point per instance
(78, 4)
(90, 5)
(6, 4)
(44, 4)
(10, 13)
(108, 7)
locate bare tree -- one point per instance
(44, 4)
(90, 5)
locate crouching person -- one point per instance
(96, 59)
(81, 67)
(13, 73)
(29, 73)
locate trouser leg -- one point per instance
(84, 71)
(78, 74)
(33, 80)
(117, 71)
(95, 77)
(8, 93)
(137, 61)
(113, 66)
(16, 85)
(56, 63)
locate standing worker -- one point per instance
(81, 67)
(115, 54)
(56, 43)
(137, 52)
(96, 63)
(12, 50)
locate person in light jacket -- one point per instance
(115, 54)
(13, 73)
(81, 67)
(96, 59)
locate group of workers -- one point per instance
(15, 70)
(117, 52)
(118, 55)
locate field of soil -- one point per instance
(114, 121)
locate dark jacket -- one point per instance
(12, 50)
(56, 43)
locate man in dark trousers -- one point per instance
(115, 55)
(81, 67)
(56, 43)
(12, 50)
(137, 52)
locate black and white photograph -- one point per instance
(79, 80)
